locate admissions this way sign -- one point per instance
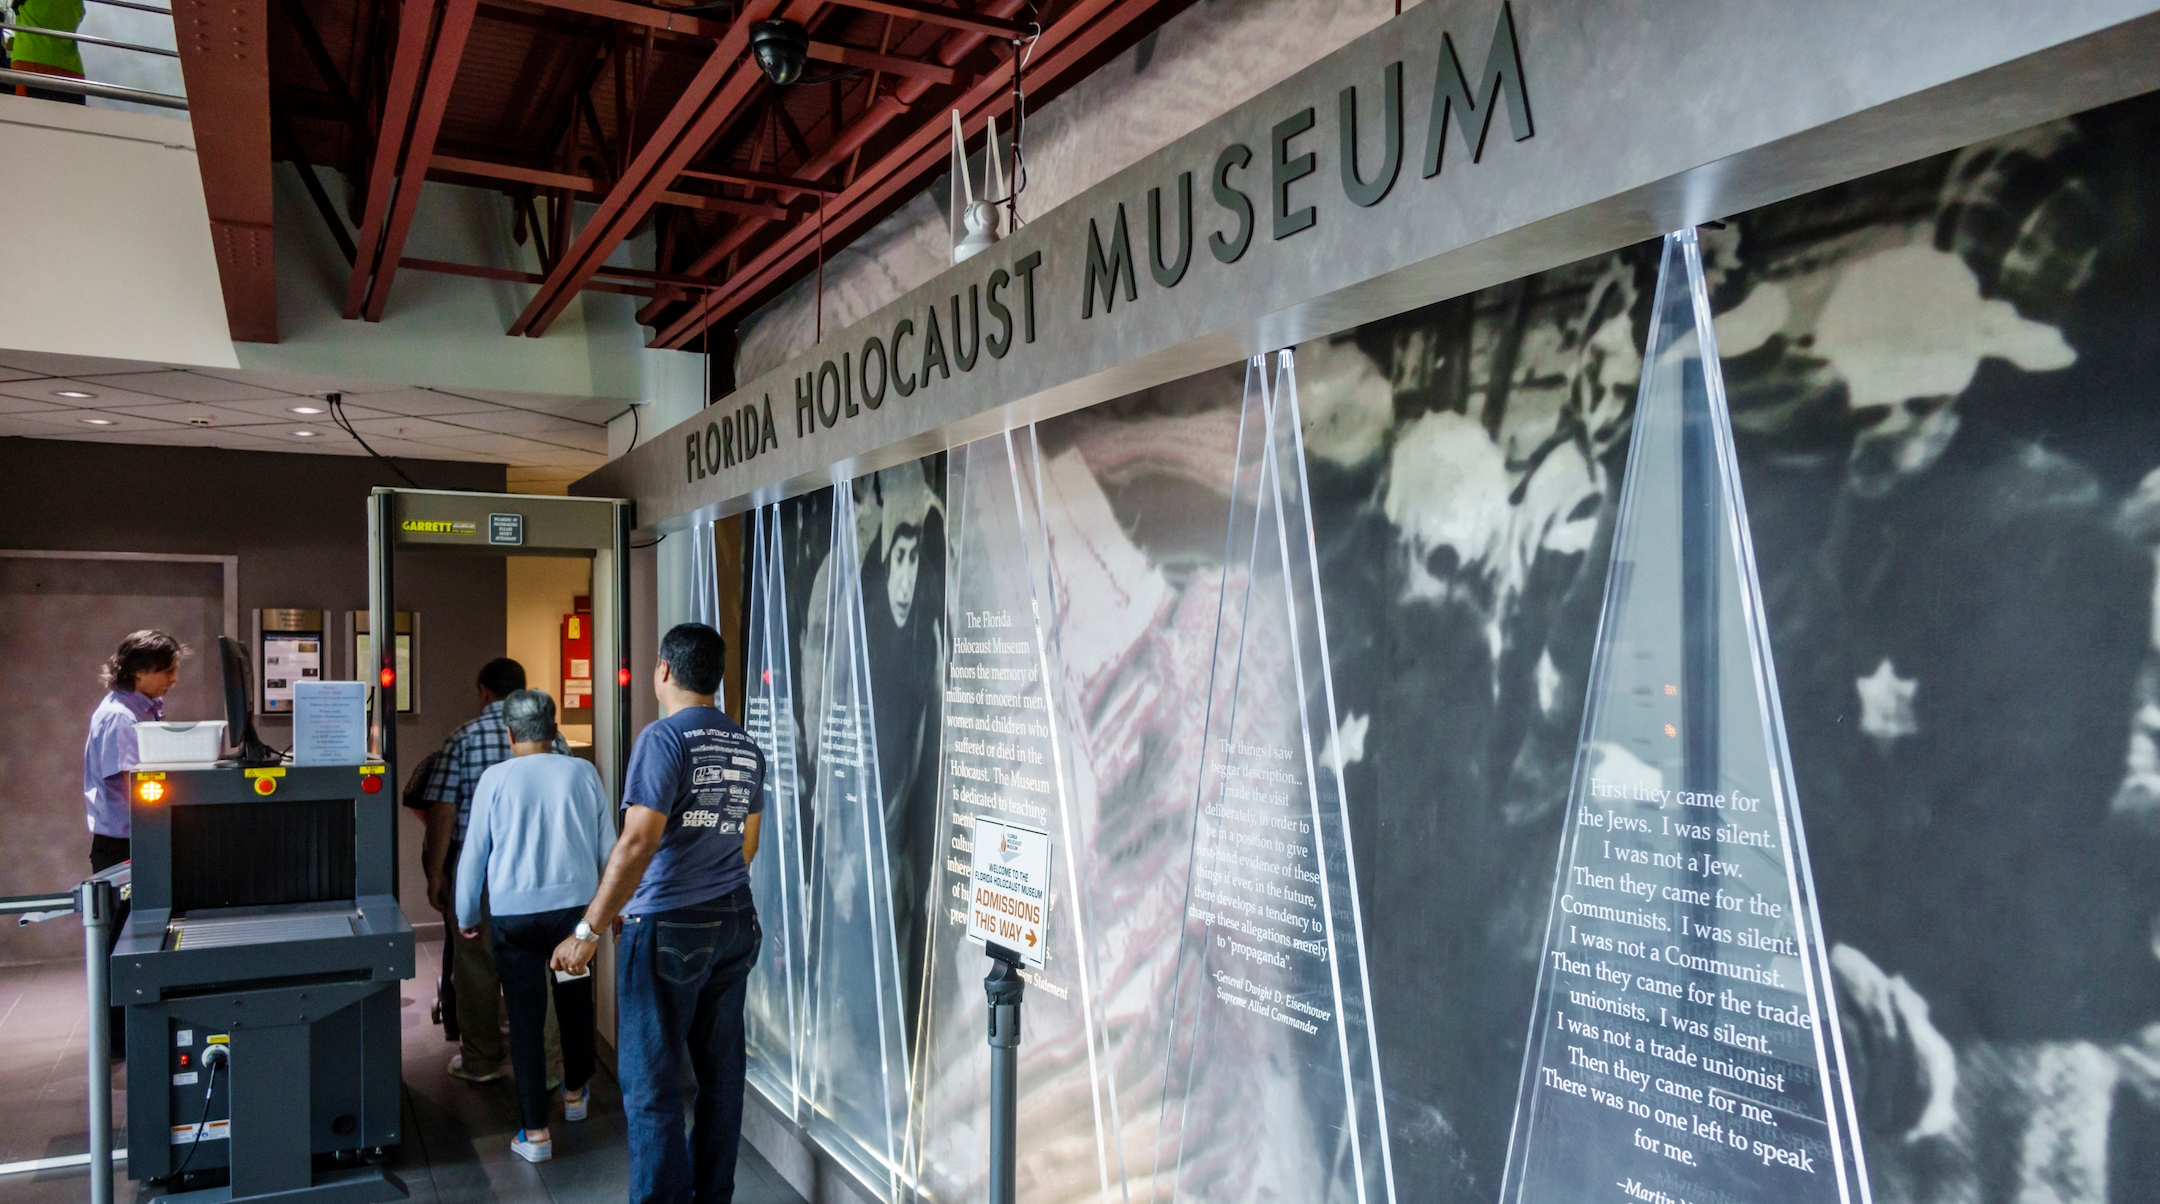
(1009, 884)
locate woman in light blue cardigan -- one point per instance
(540, 834)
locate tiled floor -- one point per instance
(462, 1151)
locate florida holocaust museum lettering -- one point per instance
(968, 321)
(1685, 1046)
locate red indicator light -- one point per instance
(389, 678)
(622, 677)
(183, 1061)
(371, 783)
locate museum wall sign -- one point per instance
(1461, 145)
(1458, 146)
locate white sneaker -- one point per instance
(575, 1103)
(457, 1070)
(531, 1151)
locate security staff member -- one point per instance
(137, 678)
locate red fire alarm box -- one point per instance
(577, 655)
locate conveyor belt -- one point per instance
(212, 933)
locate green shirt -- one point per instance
(45, 51)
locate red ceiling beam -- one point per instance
(856, 56)
(881, 113)
(484, 272)
(764, 179)
(993, 24)
(224, 58)
(1065, 46)
(666, 20)
(721, 204)
(451, 165)
(442, 72)
(715, 93)
(415, 21)
(511, 173)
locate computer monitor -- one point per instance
(239, 714)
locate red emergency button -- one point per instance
(265, 785)
(371, 783)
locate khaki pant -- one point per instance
(480, 1015)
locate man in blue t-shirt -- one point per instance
(679, 878)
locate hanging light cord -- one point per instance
(337, 415)
(1023, 50)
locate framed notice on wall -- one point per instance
(288, 651)
(359, 640)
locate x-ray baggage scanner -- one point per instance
(260, 971)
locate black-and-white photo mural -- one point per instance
(1944, 391)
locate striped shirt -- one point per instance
(470, 752)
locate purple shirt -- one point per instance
(108, 755)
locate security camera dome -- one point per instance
(781, 48)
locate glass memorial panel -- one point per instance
(1006, 756)
(773, 1007)
(1273, 1088)
(857, 1048)
(1684, 1047)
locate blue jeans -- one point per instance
(680, 982)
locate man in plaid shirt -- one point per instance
(471, 750)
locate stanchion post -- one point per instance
(1003, 987)
(96, 900)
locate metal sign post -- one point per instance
(1008, 911)
(1003, 985)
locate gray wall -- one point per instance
(299, 527)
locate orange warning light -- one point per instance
(1670, 730)
(150, 791)
(389, 677)
(265, 785)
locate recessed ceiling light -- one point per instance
(305, 409)
(201, 420)
(304, 434)
(75, 393)
(99, 421)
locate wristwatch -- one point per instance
(584, 932)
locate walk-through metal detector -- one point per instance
(507, 524)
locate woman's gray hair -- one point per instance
(530, 715)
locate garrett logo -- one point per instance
(432, 526)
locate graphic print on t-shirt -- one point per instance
(706, 774)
